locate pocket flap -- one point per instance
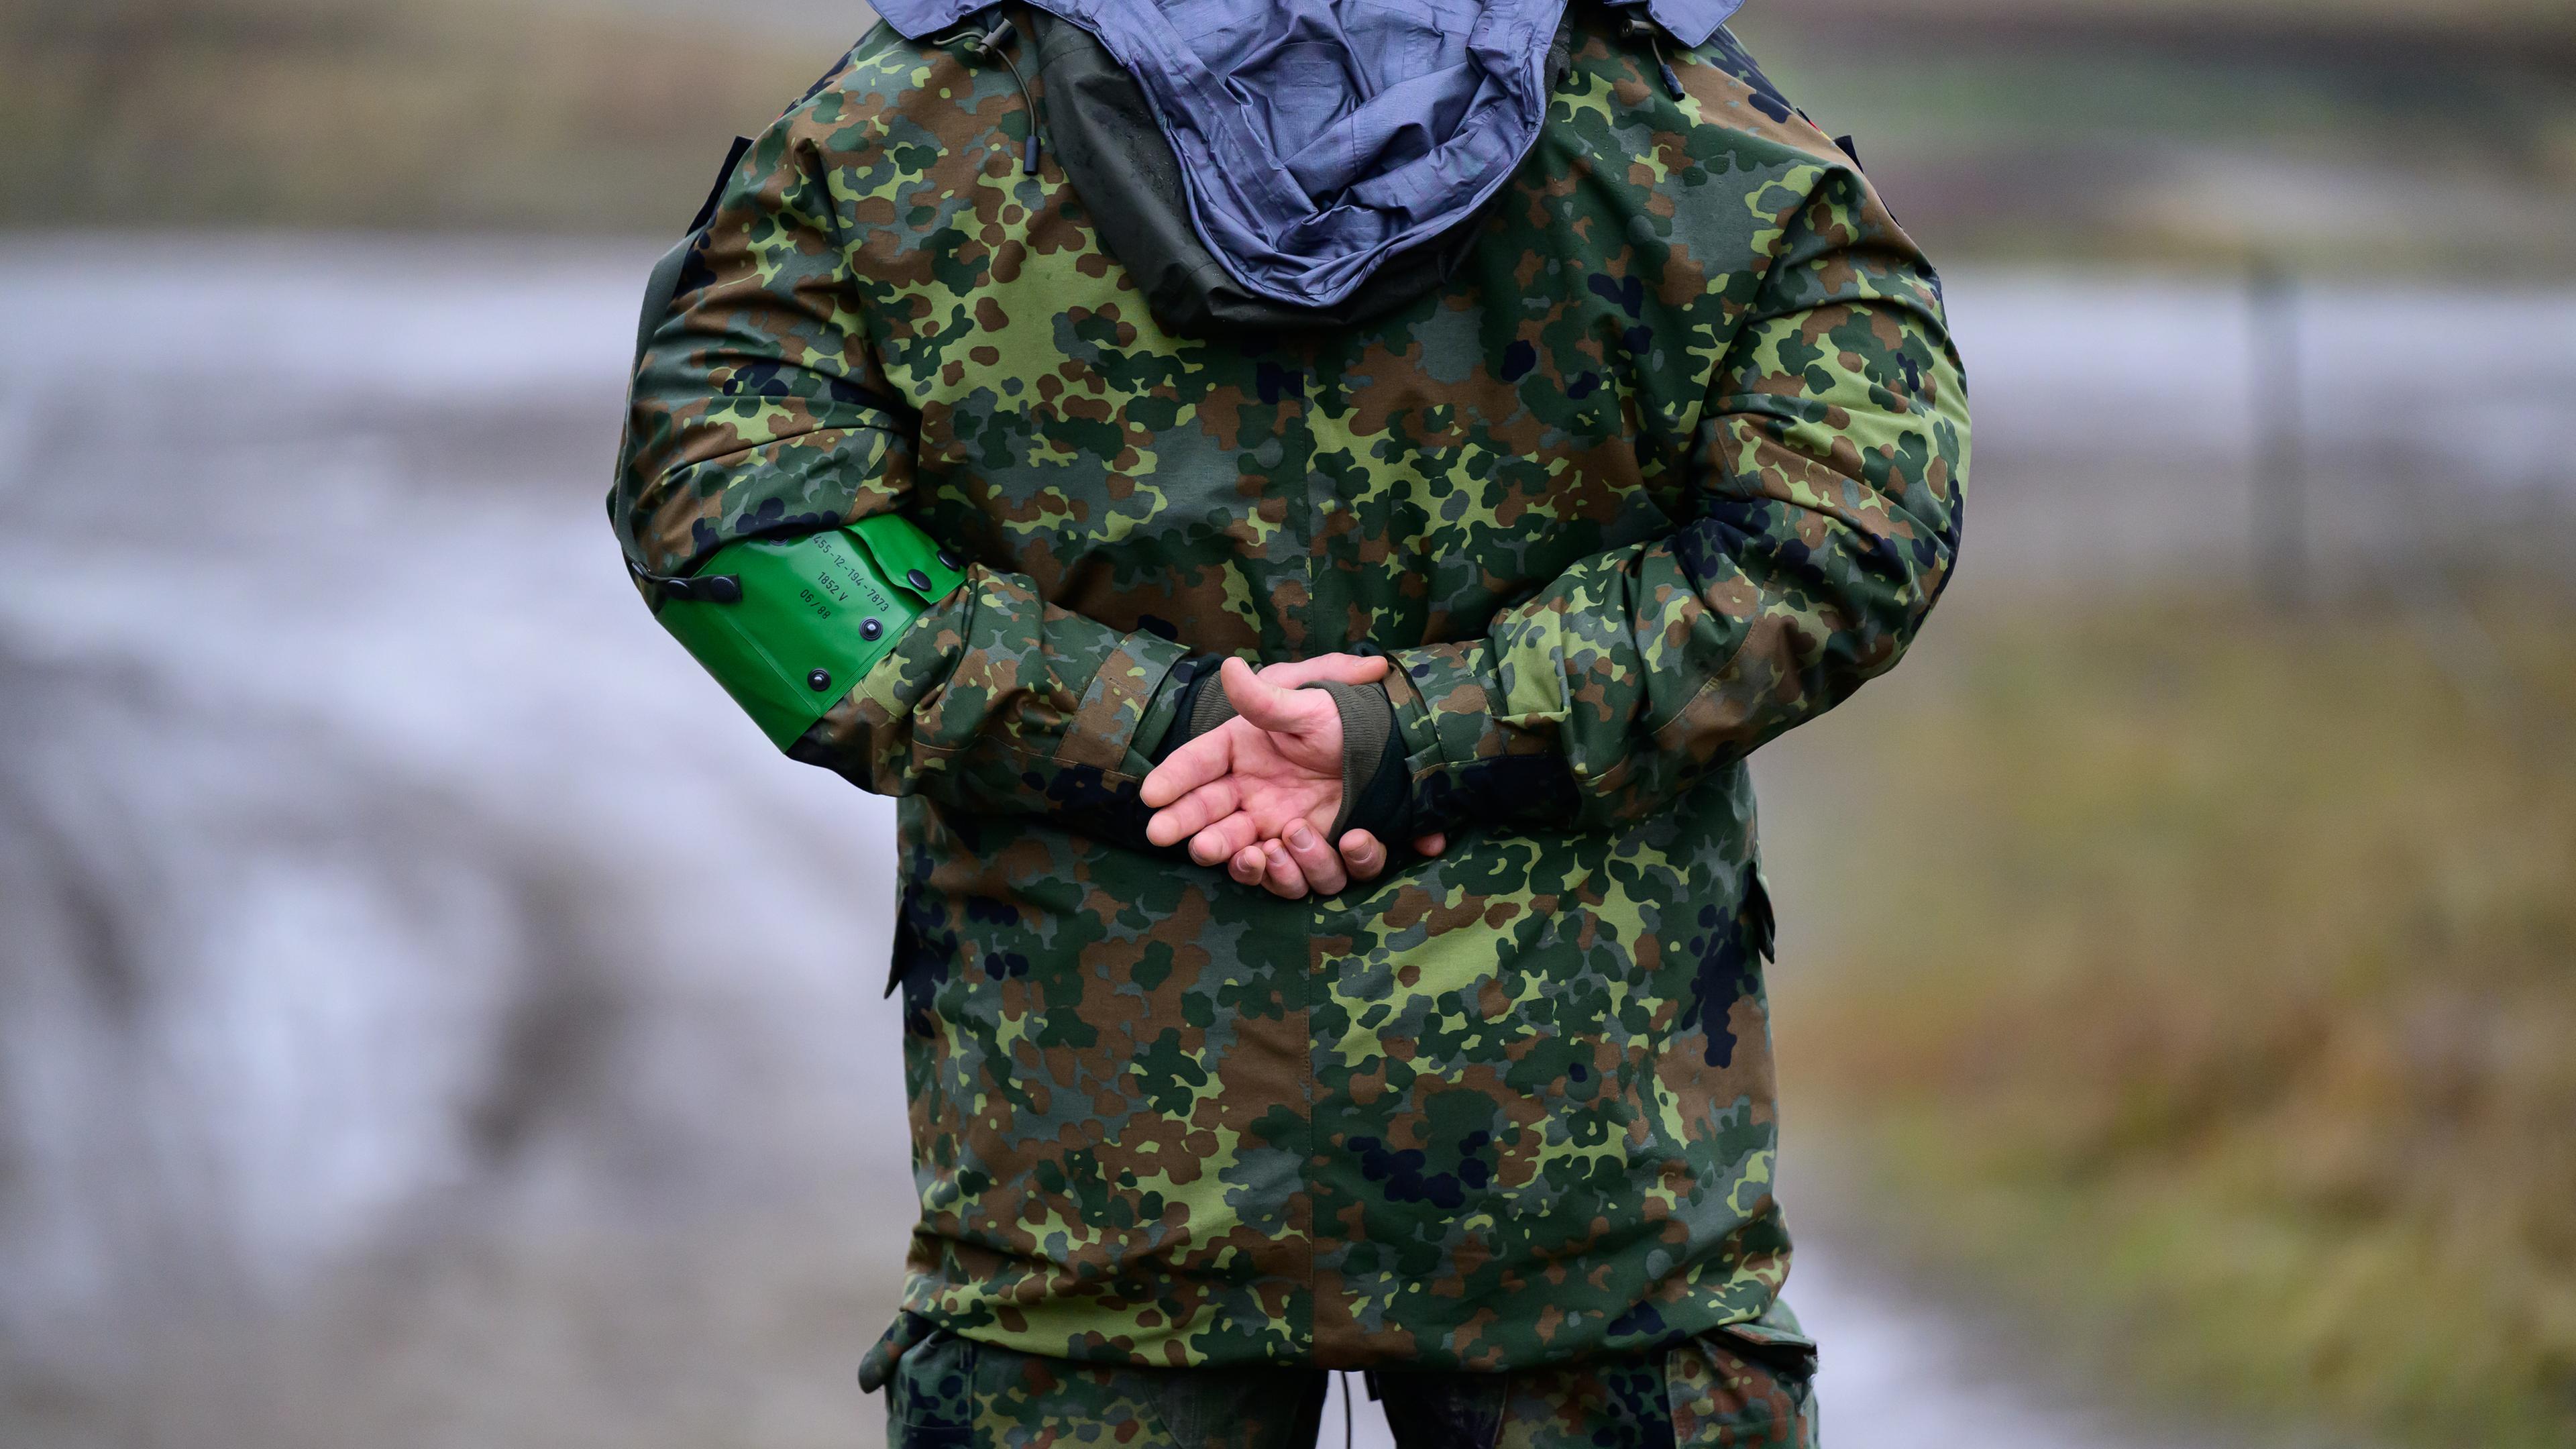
(1745, 1386)
(1774, 1343)
(877, 1368)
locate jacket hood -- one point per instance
(1317, 139)
(1101, 130)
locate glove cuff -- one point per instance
(1210, 710)
(1368, 732)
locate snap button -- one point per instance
(920, 581)
(819, 680)
(872, 630)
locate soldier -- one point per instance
(1311, 505)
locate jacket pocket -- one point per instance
(929, 1377)
(1748, 1386)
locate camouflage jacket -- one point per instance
(1673, 464)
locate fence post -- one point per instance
(2279, 506)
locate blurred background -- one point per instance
(428, 1016)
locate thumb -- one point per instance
(1263, 705)
(1340, 668)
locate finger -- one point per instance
(1195, 811)
(1362, 853)
(1226, 837)
(1338, 668)
(1249, 865)
(1284, 878)
(1262, 704)
(1431, 845)
(1316, 857)
(1203, 760)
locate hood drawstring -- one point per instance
(987, 47)
(1638, 27)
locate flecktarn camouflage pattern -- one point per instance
(1672, 465)
(1750, 1388)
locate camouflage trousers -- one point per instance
(1719, 1391)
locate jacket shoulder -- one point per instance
(1731, 90)
(883, 77)
(900, 142)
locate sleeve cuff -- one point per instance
(1466, 770)
(1106, 730)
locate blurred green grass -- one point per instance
(2234, 1018)
(2391, 134)
(2398, 135)
(469, 114)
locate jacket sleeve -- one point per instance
(1828, 473)
(760, 411)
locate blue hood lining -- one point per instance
(1320, 138)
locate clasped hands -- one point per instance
(1259, 792)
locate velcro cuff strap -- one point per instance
(802, 620)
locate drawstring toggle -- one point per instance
(989, 47)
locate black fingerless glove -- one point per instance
(1376, 792)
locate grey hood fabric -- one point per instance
(1318, 140)
(1102, 132)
